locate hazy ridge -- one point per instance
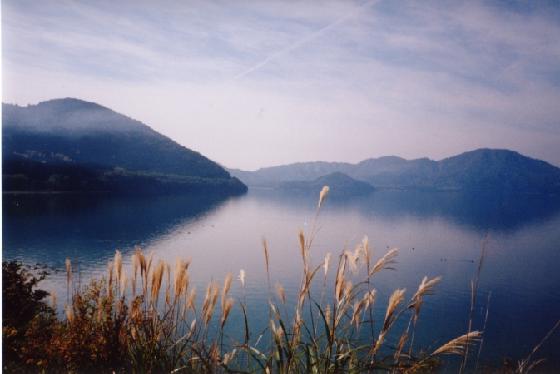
(70, 144)
(478, 170)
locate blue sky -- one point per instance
(258, 83)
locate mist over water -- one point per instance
(437, 234)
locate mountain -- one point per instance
(478, 170)
(341, 185)
(487, 169)
(375, 168)
(70, 144)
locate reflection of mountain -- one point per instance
(49, 228)
(481, 211)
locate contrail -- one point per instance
(303, 41)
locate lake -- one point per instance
(437, 234)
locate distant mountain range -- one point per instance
(478, 170)
(74, 145)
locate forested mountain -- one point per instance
(70, 144)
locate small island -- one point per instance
(341, 185)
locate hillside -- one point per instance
(478, 170)
(70, 144)
(487, 169)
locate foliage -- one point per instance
(21, 174)
(24, 313)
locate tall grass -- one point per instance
(151, 320)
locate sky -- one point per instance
(260, 83)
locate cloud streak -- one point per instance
(309, 38)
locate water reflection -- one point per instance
(88, 228)
(437, 233)
(481, 211)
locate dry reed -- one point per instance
(306, 334)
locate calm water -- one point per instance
(437, 233)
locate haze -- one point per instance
(259, 83)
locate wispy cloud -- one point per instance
(257, 83)
(309, 38)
